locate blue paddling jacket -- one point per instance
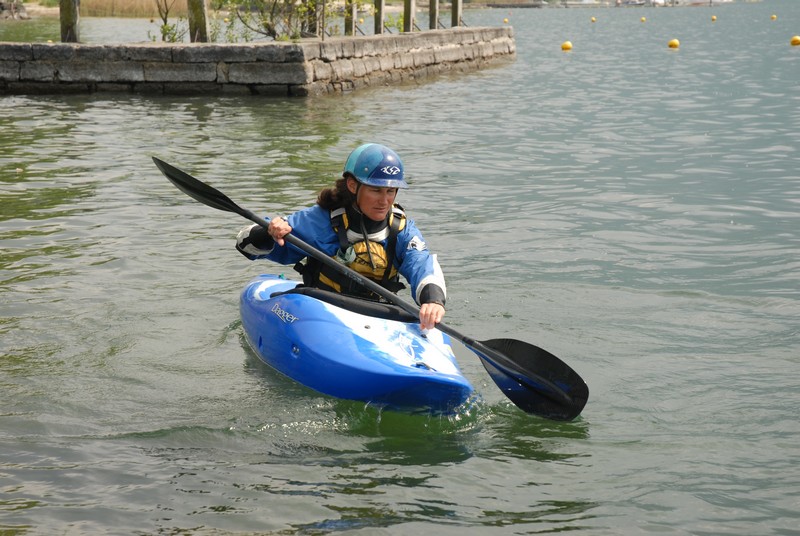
(364, 248)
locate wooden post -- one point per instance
(456, 15)
(69, 13)
(198, 22)
(409, 10)
(380, 8)
(323, 28)
(350, 14)
(434, 14)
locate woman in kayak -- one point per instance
(358, 223)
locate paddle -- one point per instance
(535, 380)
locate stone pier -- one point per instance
(305, 68)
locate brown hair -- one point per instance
(336, 197)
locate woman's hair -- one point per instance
(336, 197)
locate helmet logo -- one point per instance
(390, 170)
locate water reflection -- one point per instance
(516, 434)
(21, 199)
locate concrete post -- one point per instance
(69, 13)
(380, 8)
(456, 14)
(434, 14)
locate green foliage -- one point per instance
(281, 20)
(394, 22)
(234, 21)
(170, 33)
(227, 28)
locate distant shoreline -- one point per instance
(37, 10)
(40, 10)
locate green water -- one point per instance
(630, 208)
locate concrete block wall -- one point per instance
(308, 67)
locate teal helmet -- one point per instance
(375, 165)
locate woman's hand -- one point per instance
(278, 228)
(430, 314)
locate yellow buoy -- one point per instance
(774, 17)
(505, 21)
(674, 43)
(361, 21)
(566, 46)
(594, 19)
(644, 19)
(795, 41)
(713, 18)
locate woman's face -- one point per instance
(373, 202)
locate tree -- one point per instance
(198, 22)
(285, 19)
(69, 14)
(171, 33)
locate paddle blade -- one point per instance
(535, 380)
(196, 189)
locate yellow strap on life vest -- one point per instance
(361, 263)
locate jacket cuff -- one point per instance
(254, 242)
(432, 294)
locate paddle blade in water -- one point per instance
(534, 379)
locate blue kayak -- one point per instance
(351, 348)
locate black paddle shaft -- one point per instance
(533, 379)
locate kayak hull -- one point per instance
(345, 353)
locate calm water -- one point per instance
(632, 209)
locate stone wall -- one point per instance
(309, 67)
